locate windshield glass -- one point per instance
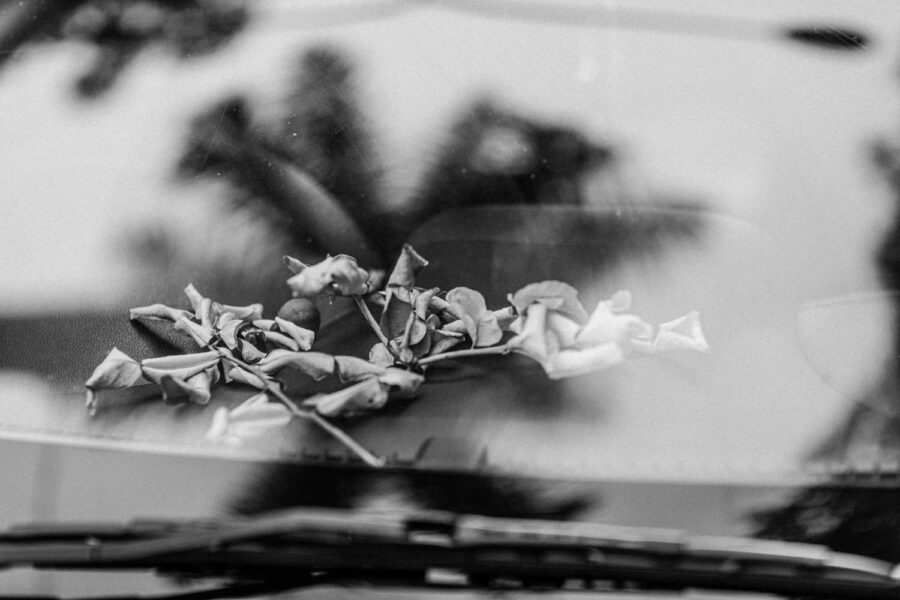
(663, 239)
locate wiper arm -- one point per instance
(310, 546)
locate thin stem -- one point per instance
(407, 331)
(366, 456)
(369, 458)
(373, 324)
(491, 350)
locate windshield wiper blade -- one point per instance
(312, 546)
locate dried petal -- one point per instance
(202, 335)
(532, 340)
(198, 360)
(571, 363)
(303, 337)
(380, 356)
(683, 333)
(279, 339)
(205, 313)
(402, 382)
(249, 352)
(350, 368)
(160, 311)
(180, 367)
(228, 332)
(166, 331)
(564, 329)
(98, 399)
(293, 264)
(336, 275)
(407, 267)
(442, 308)
(368, 394)
(195, 389)
(118, 370)
(396, 314)
(608, 324)
(423, 301)
(444, 341)
(505, 317)
(481, 324)
(557, 295)
(241, 376)
(317, 365)
(194, 297)
(251, 312)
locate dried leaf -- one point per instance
(166, 331)
(100, 399)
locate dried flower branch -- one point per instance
(418, 328)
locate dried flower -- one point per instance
(566, 349)
(335, 276)
(480, 323)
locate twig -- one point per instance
(492, 350)
(366, 456)
(373, 324)
(407, 331)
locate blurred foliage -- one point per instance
(491, 156)
(281, 486)
(850, 519)
(120, 29)
(857, 519)
(325, 133)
